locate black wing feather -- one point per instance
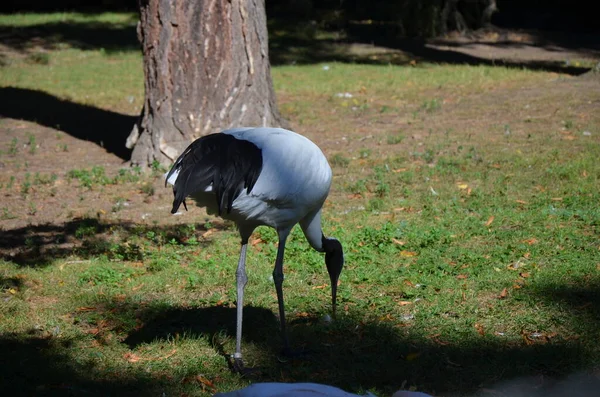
(221, 160)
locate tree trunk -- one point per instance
(486, 16)
(448, 9)
(206, 68)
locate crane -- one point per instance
(260, 176)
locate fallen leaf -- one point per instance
(479, 329)
(410, 284)
(387, 317)
(531, 241)
(208, 232)
(525, 335)
(302, 315)
(404, 303)
(86, 308)
(131, 357)
(396, 241)
(515, 266)
(462, 186)
(521, 201)
(205, 382)
(556, 199)
(167, 355)
(320, 286)
(399, 170)
(255, 241)
(408, 253)
(503, 294)
(462, 276)
(524, 274)
(490, 220)
(437, 340)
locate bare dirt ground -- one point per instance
(526, 46)
(23, 204)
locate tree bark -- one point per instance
(451, 17)
(206, 67)
(486, 15)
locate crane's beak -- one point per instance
(334, 260)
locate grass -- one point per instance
(471, 255)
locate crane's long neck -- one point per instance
(334, 260)
(311, 226)
(334, 254)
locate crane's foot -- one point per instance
(237, 366)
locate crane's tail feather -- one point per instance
(219, 163)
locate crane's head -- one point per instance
(334, 260)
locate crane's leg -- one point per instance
(241, 280)
(278, 279)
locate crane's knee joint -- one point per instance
(278, 277)
(241, 277)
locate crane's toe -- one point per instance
(237, 366)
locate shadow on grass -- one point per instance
(260, 327)
(356, 352)
(580, 299)
(297, 41)
(42, 245)
(110, 36)
(358, 355)
(105, 128)
(289, 47)
(350, 354)
(40, 367)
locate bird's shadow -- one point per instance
(351, 352)
(103, 127)
(215, 323)
(357, 354)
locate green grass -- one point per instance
(94, 58)
(471, 256)
(115, 20)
